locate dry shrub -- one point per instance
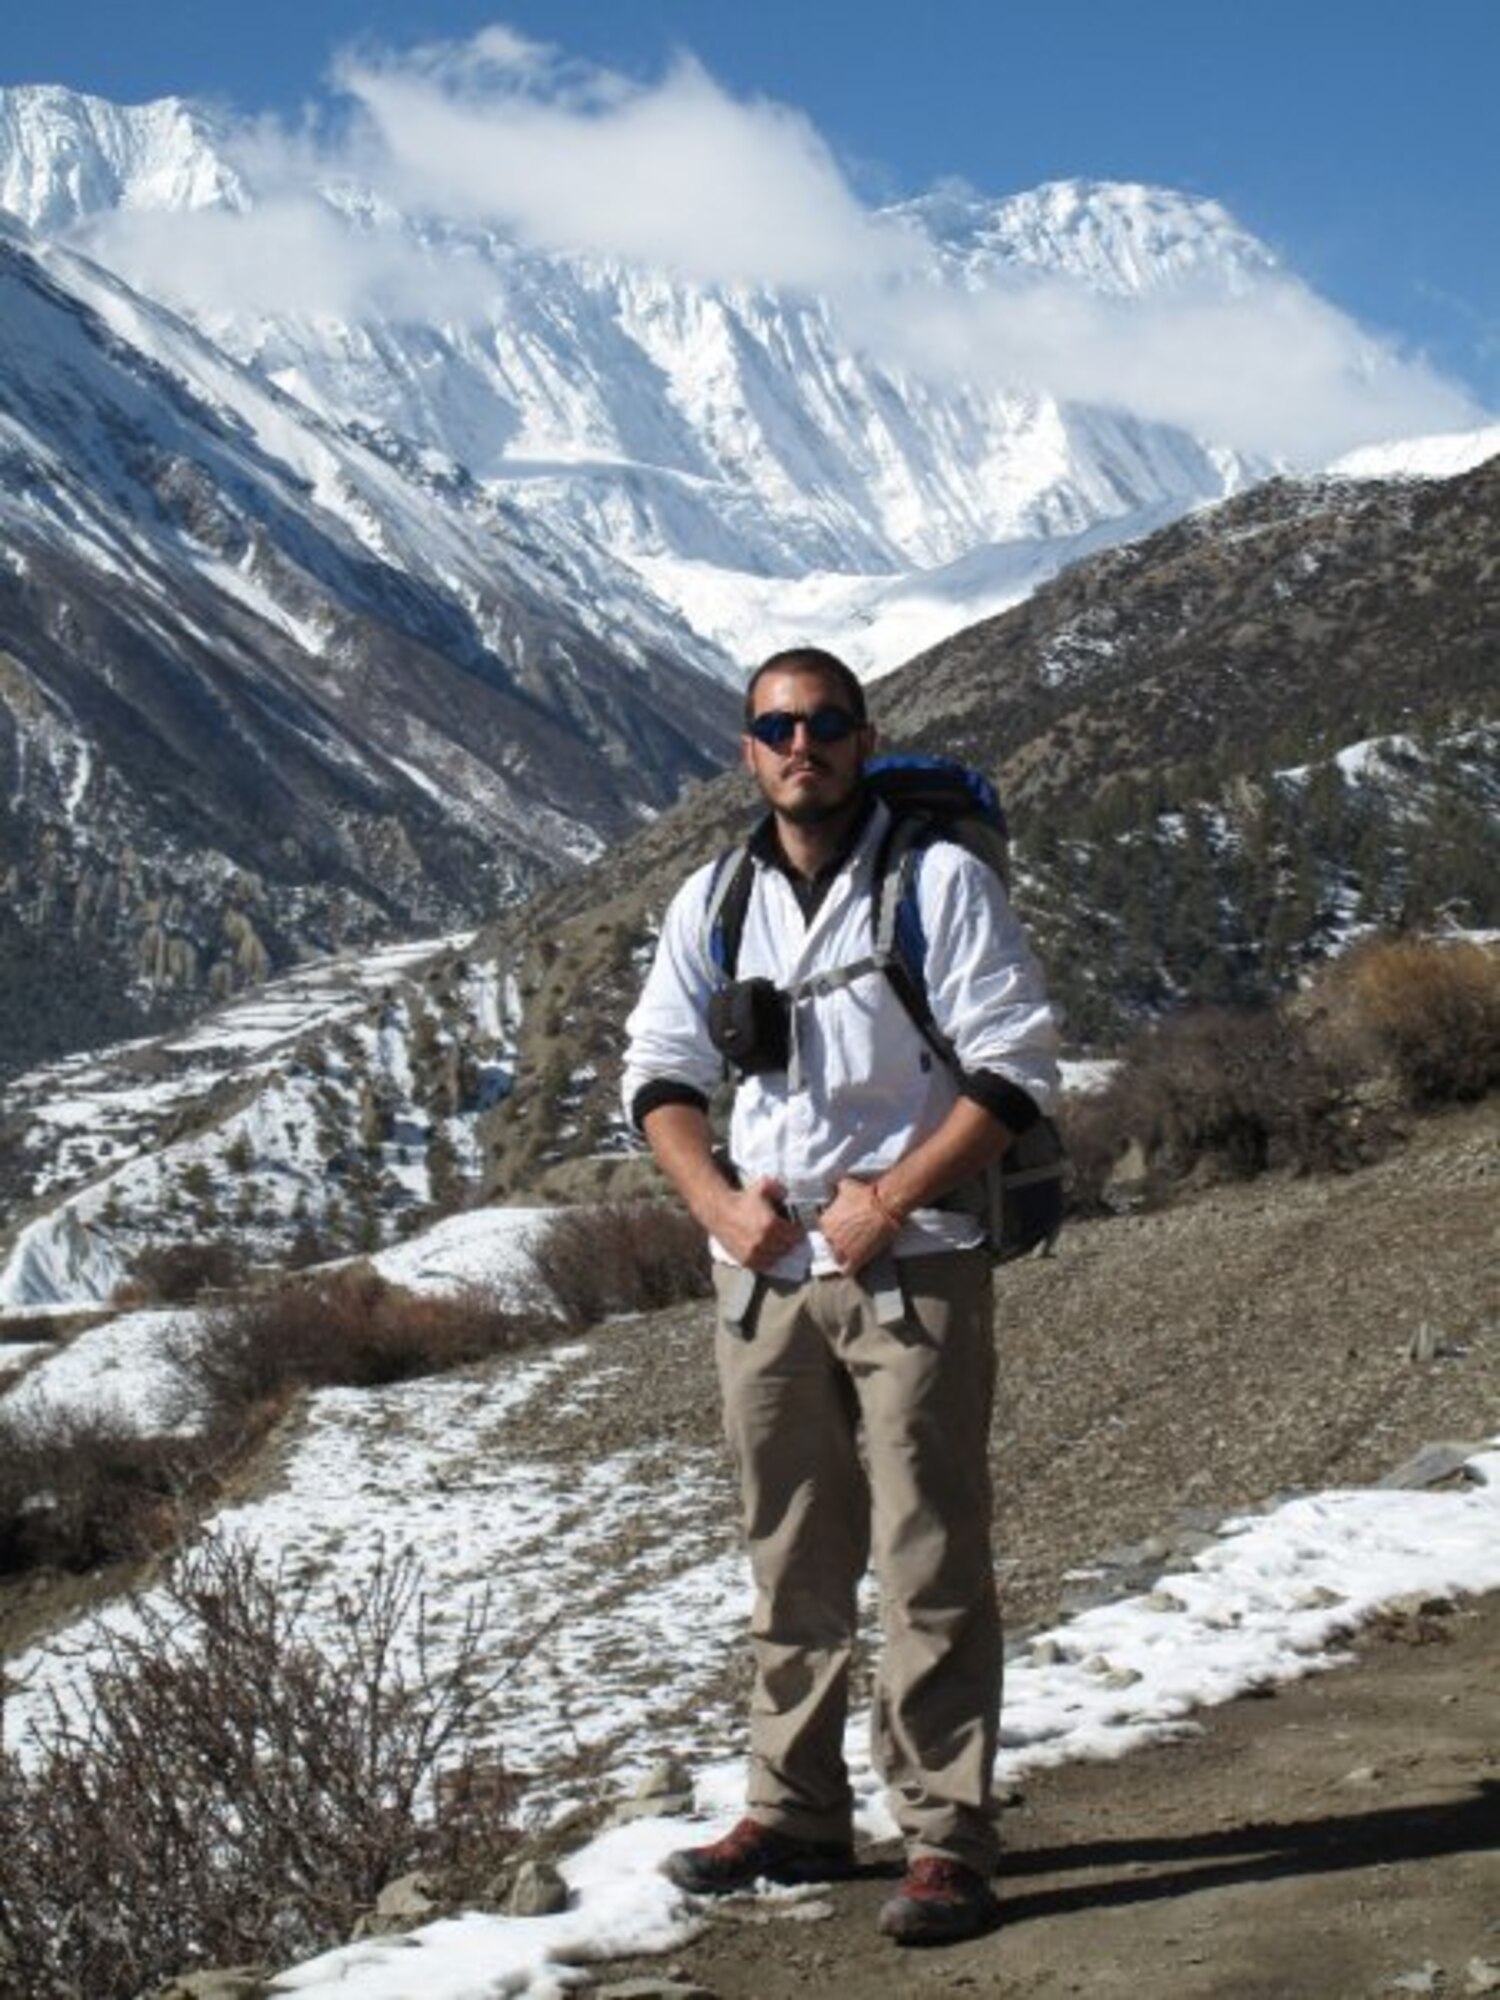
(1235, 1093)
(621, 1257)
(21, 1329)
(235, 1786)
(175, 1273)
(348, 1327)
(1430, 1012)
(1092, 1134)
(80, 1489)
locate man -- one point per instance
(852, 1428)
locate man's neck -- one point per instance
(809, 849)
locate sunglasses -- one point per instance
(778, 726)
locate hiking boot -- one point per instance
(751, 1853)
(939, 1902)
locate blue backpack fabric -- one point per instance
(929, 798)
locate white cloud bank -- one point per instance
(507, 134)
(677, 173)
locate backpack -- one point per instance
(929, 798)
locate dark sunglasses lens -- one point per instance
(775, 728)
(778, 726)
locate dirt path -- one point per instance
(1311, 1846)
(1317, 1845)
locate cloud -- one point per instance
(292, 255)
(1268, 368)
(501, 133)
(677, 173)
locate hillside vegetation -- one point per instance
(1225, 751)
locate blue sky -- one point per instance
(1357, 139)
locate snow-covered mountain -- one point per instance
(326, 1112)
(737, 446)
(360, 562)
(267, 687)
(1440, 457)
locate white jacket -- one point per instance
(871, 1086)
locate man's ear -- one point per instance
(869, 738)
(747, 753)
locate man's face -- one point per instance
(805, 781)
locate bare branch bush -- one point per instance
(1225, 1094)
(1239, 1092)
(80, 1488)
(229, 1786)
(175, 1273)
(619, 1257)
(349, 1327)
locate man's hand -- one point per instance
(857, 1228)
(859, 1222)
(744, 1219)
(751, 1228)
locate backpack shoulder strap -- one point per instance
(729, 892)
(897, 932)
(897, 936)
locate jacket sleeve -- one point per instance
(667, 1040)
(984, 983)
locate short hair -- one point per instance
(809, 660)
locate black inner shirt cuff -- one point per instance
(665, 1090)
(1005, 1101)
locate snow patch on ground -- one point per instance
(489, 1249)
(609, 1615)
(122, 1371)
(1274, 1599)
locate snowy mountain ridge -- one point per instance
(270, 687)
(364, 560)
(757, 462)
(65, 156)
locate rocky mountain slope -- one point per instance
(333, 1109)
(266, 689)
(1230, 743)
(1315, 661)
(1223, 750)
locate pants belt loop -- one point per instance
(882, 1280)
(740, 1300)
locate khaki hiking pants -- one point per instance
(850, 1438)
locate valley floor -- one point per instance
(1161, 1372)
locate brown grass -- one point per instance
(176, 1273)
(621, 1257)
(78, 1490)
(348, 1327)
(1311, 1085)
(1428, 1012)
